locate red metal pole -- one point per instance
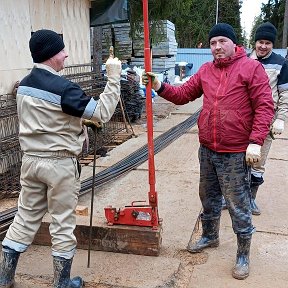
(147, 59)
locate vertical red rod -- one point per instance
(147, 59)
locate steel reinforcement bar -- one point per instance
(120, 168)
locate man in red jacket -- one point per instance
(233, 124)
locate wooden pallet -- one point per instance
(116, 238)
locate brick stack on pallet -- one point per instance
(120, 35)
(163, 53)
(132, 50)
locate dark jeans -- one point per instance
(226, 174)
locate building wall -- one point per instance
(18, 18)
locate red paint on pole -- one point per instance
(149, 111)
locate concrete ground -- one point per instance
(177, 173)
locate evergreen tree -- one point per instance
(257, 21)
(193, 19)
(273, 12)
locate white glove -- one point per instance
(253, 153)
(277, 127)
(113, 68)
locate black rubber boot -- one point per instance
(223, 203)
(254, 185)
(62, 268)
(241, 268)
(254, 208)
(210, 236)
(8, 267)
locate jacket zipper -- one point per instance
(215, 109)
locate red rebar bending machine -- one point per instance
(137, 214)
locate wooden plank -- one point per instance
(124, 134)
(116, 238)
(110, 147)
(83, 161)
(118, 141)
(81, 210)
(123, 137)
(90, 157)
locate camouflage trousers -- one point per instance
(226, 174)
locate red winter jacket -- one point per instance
(237, 104)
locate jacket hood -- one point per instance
(224, 62)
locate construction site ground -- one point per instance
(177, 173)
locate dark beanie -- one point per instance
(44, 44)
(266, 31)
(223, 29)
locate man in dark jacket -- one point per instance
(276, 68)
(233, 124)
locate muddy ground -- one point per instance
(185, 262)
(177, 174)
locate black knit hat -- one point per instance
(266, 31)
(223, 29)
(44, 44)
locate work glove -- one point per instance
(113, 66)
(156, 84)
(91, 124)
(253, 153)
(277, 127)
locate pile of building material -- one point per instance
(163, 52)
(132, 50)
(117, 35)
(133, 101)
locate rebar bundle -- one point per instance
(125, 165)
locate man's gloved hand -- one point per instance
(113, 66)
(156, 84)
(277, 127)
(253, 153)
(91, 124)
